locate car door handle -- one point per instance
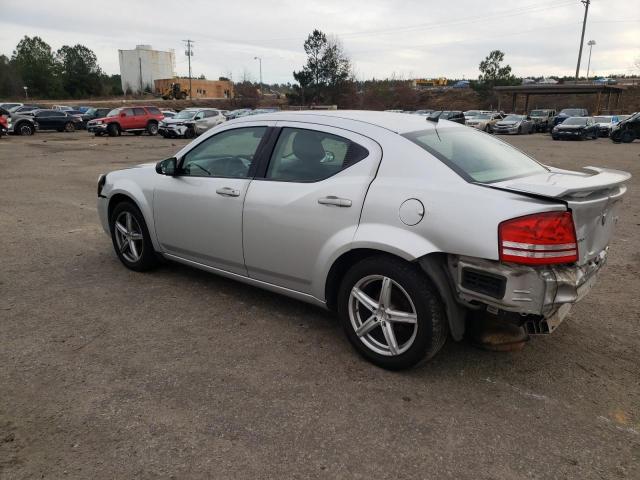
(228, 192)
(335, 201)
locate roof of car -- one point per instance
(396, 122)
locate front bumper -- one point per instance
(568, 133)
(172, 130)
(505, 130)
(96, 128)
(543, 295)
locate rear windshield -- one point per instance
(474, 155)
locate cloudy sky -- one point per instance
(402, 38)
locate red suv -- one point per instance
(127, 119)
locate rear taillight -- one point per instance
(539, 239)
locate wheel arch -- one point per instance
(139, 201)
(434, 266)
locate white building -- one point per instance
(141, 66)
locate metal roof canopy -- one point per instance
(562, 89)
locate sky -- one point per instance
(384, 38)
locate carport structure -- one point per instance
(564, 89)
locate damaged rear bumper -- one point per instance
(539, 297)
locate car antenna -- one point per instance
(435, 121)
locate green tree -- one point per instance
(492, 71)
(36, 65)
(326, 72)
(80, 73)
(10, 81)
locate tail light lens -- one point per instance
(539, 239)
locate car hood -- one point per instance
(507, 124)
(173, 121)
(562, 126)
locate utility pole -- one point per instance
(189, 53)
(591, 43)
(584, 26)
(261, 89)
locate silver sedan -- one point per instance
(399, 224)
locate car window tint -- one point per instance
(139, 111)
(475, 156)
(153, 111)
(308, 156)
(227, 154)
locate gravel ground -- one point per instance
(107, 373)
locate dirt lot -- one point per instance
(106, 373)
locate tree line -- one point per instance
(69, 72)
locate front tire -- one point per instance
(25, 128)
(627, 136)
(130, 237)
(391, 313)
(69, 127)
(113, 130)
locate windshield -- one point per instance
(603, 119)
(513, 118)
(538, 113)
(185, 115)
(482, 116)
(575, 121)
(113, 113)
(474, 155)
(91, 111)
(471, 113)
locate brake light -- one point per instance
(539, 239)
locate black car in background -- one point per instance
(93, 113)
(451, 115)
(56, 120)
(579, 128)
(568, 113)
(627, 130)
(25, 109)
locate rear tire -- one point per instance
(415, 330)
(69, 127)
(130, 237)
(113, 130)
(189, 133)
(152, 128)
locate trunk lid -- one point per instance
(593, 196)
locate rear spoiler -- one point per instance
(562, 183)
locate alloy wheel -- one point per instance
(129, 238)
(383, 315)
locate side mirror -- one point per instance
(167, 167)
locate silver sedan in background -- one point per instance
(515, 125)
(399, 224)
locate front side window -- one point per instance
(114, 113)
(309, 156)
(475, 156)
(228, 154)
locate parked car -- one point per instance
(474, 113)
(9, 106)
(4, 127)
(240, 112)
(570, 112)
(56, 120)
(579, 128)
(93, 113)
(63, 108)
(514, 124)
(82, 108)
(451, 115)
(190, 122)
(136, 120)
(627, 130)
(369, 214)
(168, 113)
(484, 121)
(424, 113)
(605, 123)
(25, 109)
(22, 124)
(543, 119)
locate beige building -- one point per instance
(199, 88)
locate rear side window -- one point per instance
(475, 156)
(309, 156)
(139, 111)
(153, 110)
(128, 112)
